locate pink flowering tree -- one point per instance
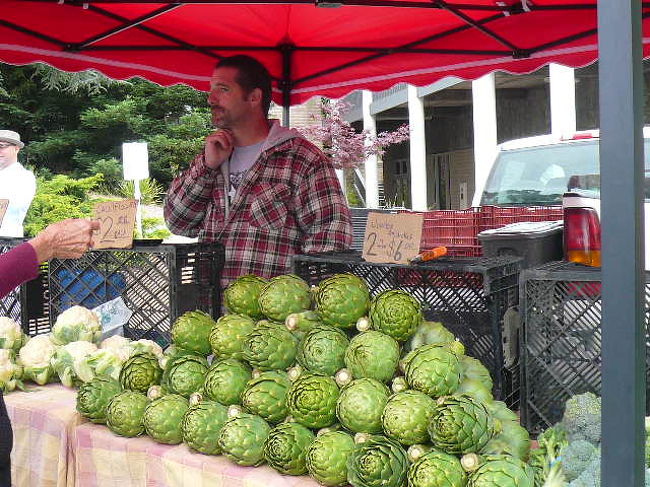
(347, 148)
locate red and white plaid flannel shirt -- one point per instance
(290, 202)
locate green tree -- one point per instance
(75, 123)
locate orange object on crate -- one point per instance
(429, 255)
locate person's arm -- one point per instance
(322, 211)
(188, 198)
(68, 239)
(18, 265)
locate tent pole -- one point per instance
(623, 292)
(285, 85)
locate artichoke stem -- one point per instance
(363, 323)
(470, 462)
(234, 410)
(195, 398)
(361, 438)
(343, 377)
(154, 392)
(416, 451)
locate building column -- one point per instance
(418, 150)
(485, 128)
(371, 179)
(563, 99)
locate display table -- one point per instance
(43, 420)
(55, 446)
(103, 459)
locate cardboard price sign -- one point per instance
(4, 204)
(117, 221)
(392, 239)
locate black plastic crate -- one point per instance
(157, 283)
(469, 295)
(561, 346)
(28, 303)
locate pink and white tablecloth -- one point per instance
(43, 420)
(105, 459)
(55, 447)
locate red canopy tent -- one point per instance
(311, 47)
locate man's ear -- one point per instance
(256, 96)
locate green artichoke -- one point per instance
(202, 424)
(460, 424)
(242, 439)
(184, 374)
(286, 446)
(511, 438)
(377, 462)
(473, 369)
(311, 400)
(163, 418)
(436, 469)
(284, 295)
(396, 313)
(270, 347)
(124, 413)
(406, 417)
(360, 405)
(327, 456)
(266, 395)
(427, 333)
(228, 335)
(502, 471)
(433, 369)
(140, 371)
(241, 296)
(372, 354)
(226, 381)
(322, 349)
(93, 398)
(342, 299)
(191, 331)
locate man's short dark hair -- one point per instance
(251, 74)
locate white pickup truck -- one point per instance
(552, 170)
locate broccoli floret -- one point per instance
(581, 418)
(590, 476)
(575, 458)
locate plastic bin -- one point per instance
(561, 315)
(469, 295)
(535, 242)
(28, 303)
(157, 283)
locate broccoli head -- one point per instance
(581, 418)
(575, 458)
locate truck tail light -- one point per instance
(582, 236)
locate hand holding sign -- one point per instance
(117, 219)
(392, 238)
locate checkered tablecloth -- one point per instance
(43, 420)
(105, 459)
(54, 446)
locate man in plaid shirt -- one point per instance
(262, 190)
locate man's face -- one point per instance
(8, 154)
(228, 101)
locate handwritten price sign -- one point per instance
(392, 239)
(4, 204)
(117, 221)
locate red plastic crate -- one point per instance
(454, 229)
(457, 229)
(498, 216)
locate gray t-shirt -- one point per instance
(241, 160)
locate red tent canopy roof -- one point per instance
(326, 47)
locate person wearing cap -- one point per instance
(17, 184)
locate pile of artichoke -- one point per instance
(349, 388)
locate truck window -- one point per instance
(538, 175)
